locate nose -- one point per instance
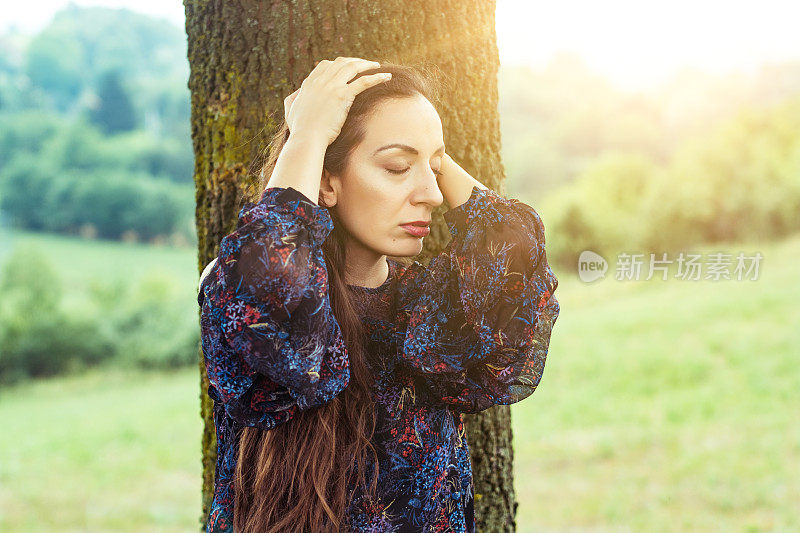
(428, 191)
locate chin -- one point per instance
(407, 249)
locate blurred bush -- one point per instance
(601, 211)
(37, 336)
(741, 182)
(151, 326)
(75, 178)
(145, 325)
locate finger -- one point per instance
(368, 80)
(291, 96)
(345, 61)
(288, 101)
(349, 68)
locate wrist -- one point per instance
(456, 183)
(307, 140)
(299, 166)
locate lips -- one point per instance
(417, 228)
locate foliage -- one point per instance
(556, 120)
(37, 336)
(143, 325)
(150, 323)
(739, 182)
(113, 111)
(70, 56)
(601, 210)
(67, 176)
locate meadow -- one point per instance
(668, 405)
(664, 406)
(79, 261)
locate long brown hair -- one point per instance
(294, 477)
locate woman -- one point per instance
(340, 376)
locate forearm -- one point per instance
(455, 183)
(299, 166)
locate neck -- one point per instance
(365, 268)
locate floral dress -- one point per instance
(469, 331)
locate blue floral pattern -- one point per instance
(469, 331)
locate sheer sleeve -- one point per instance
(479, 317)
(270, 341)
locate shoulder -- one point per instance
(206, 272)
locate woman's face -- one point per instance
(389, 179)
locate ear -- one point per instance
(328, 188)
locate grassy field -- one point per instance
(107, 451)
(665, 406)
(79, 261)
(668, 406)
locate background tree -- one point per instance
(114, 111)
(246, 57)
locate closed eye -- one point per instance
(437, 172)
(397, 171)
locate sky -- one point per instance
(635, 43)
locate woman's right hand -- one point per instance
(320, 106)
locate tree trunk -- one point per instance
(247, 56)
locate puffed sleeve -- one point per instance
(271, 344)
(479, 316)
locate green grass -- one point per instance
(79, 261)
(105, 451)
(664, 406)
(668, 405)
(110, 450)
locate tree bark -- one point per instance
(247, 56)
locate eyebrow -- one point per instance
(405, 148)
